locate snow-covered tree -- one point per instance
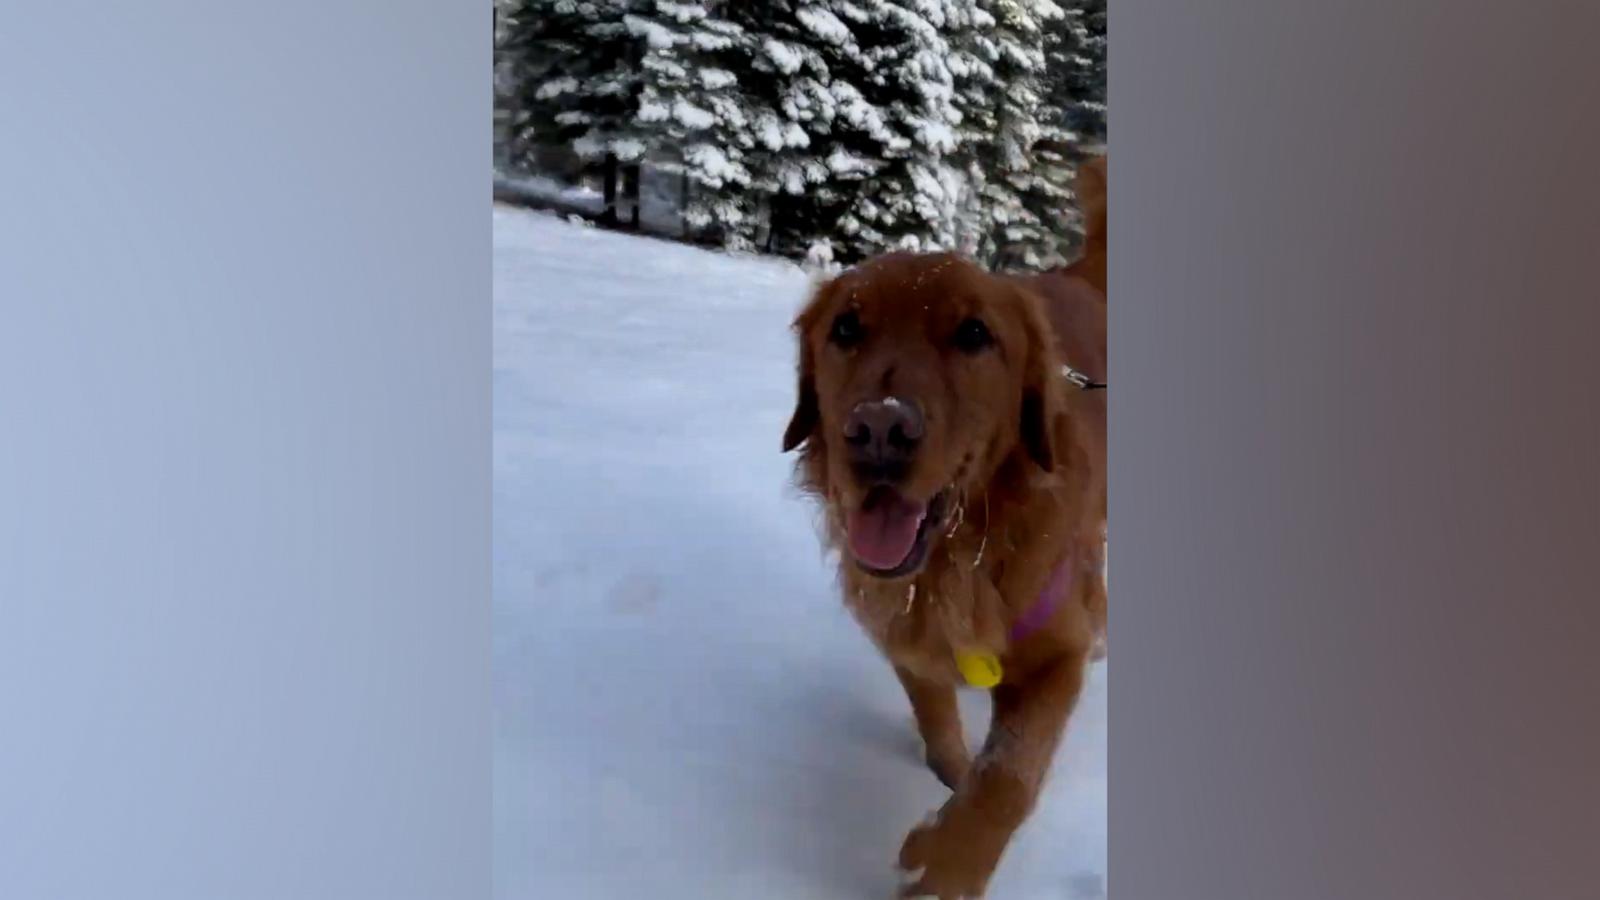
(912, 201)
(698, 116)
(863, 119)
(803, 108)
(1020, 183)
(826, 129)
(572, 74)
(1072, 113)
(1081, 68)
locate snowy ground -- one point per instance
(660, 207)
(683, 709)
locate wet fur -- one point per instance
(1031, 496)
(1074, 298)
(1022, 519)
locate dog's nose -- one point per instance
(882, 434)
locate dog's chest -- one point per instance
(923, 625)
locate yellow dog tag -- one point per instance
(980, 668)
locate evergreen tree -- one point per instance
(1011, 139)
(862, 95)
(697, 114)
(1083, 71)
(834, 129)
(813, 129)
(506, 72)
(1075, 68)
(912, 201)
(573, 75)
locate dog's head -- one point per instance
(920, 375)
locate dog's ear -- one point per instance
(1041, 381)
(807, 415)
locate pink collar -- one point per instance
(1056, 590)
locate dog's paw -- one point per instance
(950, 856)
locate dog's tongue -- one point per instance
(883, 530)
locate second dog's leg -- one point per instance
(939, 723)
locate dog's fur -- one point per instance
(1091, 194)
(1075, 299)
(1021, 453)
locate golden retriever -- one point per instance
(963, 477)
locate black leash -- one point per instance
(1083, 381)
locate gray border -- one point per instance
(245, 476)
(1354, 443)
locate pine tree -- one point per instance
(572, 77)
(912, 201)
(507, 67)
(972, 64)
(1083, 71)
(1075, 69)
(806, 116)
(862, 95)
(1016, 180)
(840, 128)
(696, 113)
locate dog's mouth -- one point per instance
(888, 533)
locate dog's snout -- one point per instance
(883, 434)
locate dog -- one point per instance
(963, 481)
(1075, 301)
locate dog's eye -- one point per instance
(846, 330)
(972, 336)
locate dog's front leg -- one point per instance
(953, 854)
(939, 722)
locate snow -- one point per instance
(691, 116)
(706, 40)
(651, 111)
(824, 25)
(860, 113)
(715, 79)
(770, 132)
(628, 149)
(791, 177)
(934, 135)
(853, 12)
(538, 188)
(843, 162)
(711, 165)
(785, 57)
(683, 708)
(656, 35)
(681, 12)
(556, 87)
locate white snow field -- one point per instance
(683, 708)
